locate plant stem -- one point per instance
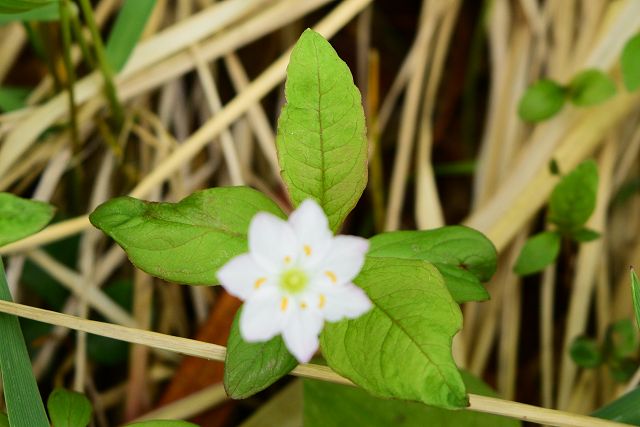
(103, 63)
(215, 352)
(65, 28)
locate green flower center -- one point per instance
(293, 280)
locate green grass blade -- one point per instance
(635, 292)
(24, 405)
(127, 31)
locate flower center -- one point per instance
(293, 280)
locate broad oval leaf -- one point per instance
(573, 200)
(322, 145)
(585, 352)
(630, 63)
(327, 404)
(541, 100)
(591, 87)
(188, 241)
(252, 367)
(538, 252)
(68, 408)
(464, 256)
(20, 217)
(402, 347)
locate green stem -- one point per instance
(103, 63)
(71, 75)
(82, 41)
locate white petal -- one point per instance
(242, 276)
(261, 318)
(348, 301)
(300, 333)
(310, 224)
(344, 260)
(272, 242)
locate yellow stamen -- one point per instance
(332, 276)
(259, 282)
(287, 259)
(303, 305)
(284, 303)
(323, 301)
(307, 250)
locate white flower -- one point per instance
(295, 276)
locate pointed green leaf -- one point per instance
(20, 218)
(127, 30)
(22, 397)
(252, 367)
(69, 409)
(185, 242)
(591, 87)
(630, 63)
(402, 347)
(625, 409)
(541, 100)
(584, 235)
(538, 252)
(573, 200)
(49, 12)
(464, 257)
(327, 404)
(635, 293)
(20, 6)
(322, 145)
(585, 352)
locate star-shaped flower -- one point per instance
(296, 275)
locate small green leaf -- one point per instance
(541, 100)
(252, 367)
(20, 218)
(622, 339)
(69, 409)
(583, 235)
(585, 352)
(13, 98)
(47, 13)
(185, 242)
(622, 370)
(538, 252)
(625, 409)
(630, 62)
(464, 257)
(573, 200)
(127, 30)
(327, 404)
(162, 423)
(322, 145)
(591, 87)
(635, 293)
(402, 347)
(21, 393)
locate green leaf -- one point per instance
(622, 370)
(185, 242)
(252, 367)
(22, 397)
(20, 218)
(464, 257)
(327, 404)
(635, 293)
(573, 200)
(402, 347)
(12, 98)
(162, 423)
(541, 100)
(20, 6)
(538, 252)
(585, 352)
(583, 235)
(622, 339)
(47, 13)
(625, 409)
(630, 63)
(127, 30)
(322, 145)
(591, 87)
(4, 420)
(69, 409)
